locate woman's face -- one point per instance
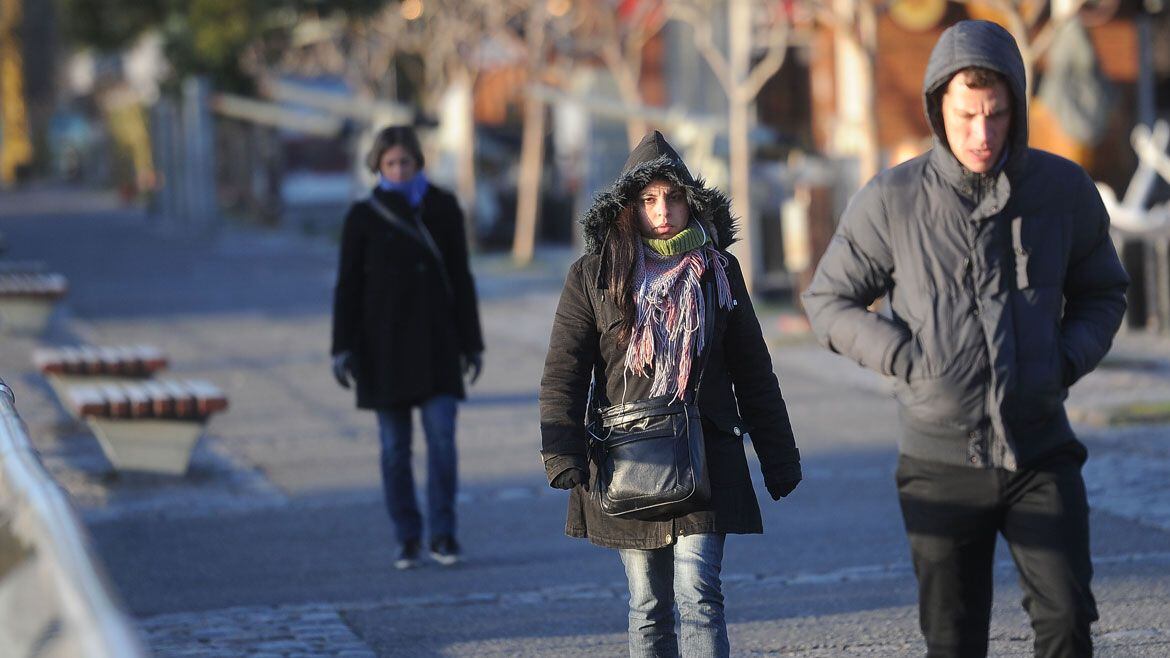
(397, 164)
(662, 210)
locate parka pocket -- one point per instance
(726, 456)
(955, 400)
(1039, 391)
(609, 316)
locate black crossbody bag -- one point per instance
(650, 455)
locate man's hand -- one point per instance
(783, 482)
(569, 478)
(343, 368)
(472, 366)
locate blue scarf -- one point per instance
(412, 189)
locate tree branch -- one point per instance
(705, 43)
(1047, 34)
(768, 66)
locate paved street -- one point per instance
(276, 543)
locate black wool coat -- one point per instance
(392, 309)
(737, 394)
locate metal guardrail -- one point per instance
(55, 599)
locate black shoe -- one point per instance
(408, 555)
(445, 551)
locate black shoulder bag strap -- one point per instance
(418, 232)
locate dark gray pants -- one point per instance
(952, 516)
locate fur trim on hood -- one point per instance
(654, 159)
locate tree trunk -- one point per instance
(531, 148)
(465, 169)
(627, 83)
(738, 127)
(856, 132)
(528, 188)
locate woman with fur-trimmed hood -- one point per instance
(632, 310)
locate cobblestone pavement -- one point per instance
(294, 631)
(276, 541)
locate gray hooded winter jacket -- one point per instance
(1004, 288)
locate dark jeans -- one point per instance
(952, 516)
(395, 430)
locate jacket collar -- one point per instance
(999, 188)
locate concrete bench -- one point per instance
(65, 367)
(148, 424)
(27, 299)
(141, 422)
(117, 361)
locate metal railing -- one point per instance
(55, 599)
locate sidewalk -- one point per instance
(248, 309)
(277, 536)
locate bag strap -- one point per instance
(417, 232)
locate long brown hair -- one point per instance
(619, 252)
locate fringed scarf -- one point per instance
(668, 329)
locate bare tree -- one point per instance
(617, 31)
(1033, 23)
(532, 142)
(750, 22)
(853, 24)
(448, 37)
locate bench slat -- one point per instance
(168, 398)
(116, 400)
(209, 398)
(185, 404)
(118, 360)
(141, 406)
(87, 400)
(162, 405)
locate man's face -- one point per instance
(662, 210)
(977, 122)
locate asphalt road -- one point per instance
(276, 542)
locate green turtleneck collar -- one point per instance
(689, 238)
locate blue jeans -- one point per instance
(686, 574)
(395, 431)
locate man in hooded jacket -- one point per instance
(1004, 289)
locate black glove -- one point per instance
(783, 482)
(569, 478)
(472, 366)
(343, 368)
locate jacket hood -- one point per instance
(654, 159)
(986, 45)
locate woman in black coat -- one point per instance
(652, 241)
(406, 328)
